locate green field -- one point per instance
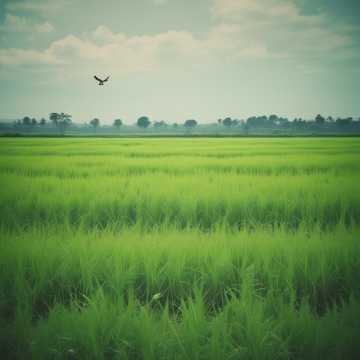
(180, 248)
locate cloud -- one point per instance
(103, 48)
(126, 54)
(281, 28)
(244, 30)
(28, 57)
(228, 43)
(17, 24)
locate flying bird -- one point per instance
(101, 82)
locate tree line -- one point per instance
(63, 121)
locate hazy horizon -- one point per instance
(174, 60)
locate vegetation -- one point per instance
(117, 123)
(26, 121)
(159, 124)
(61, 121)
(190, 123)
(95, 123)
(254, 125)
(179, 248)
(143, 122)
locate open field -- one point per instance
(180, 248)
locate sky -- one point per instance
(174, 60)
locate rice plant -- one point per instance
(179, 249)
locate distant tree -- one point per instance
(246, 127)
(54, 118)
(252, 121)
(143, 122)
(235, 122)
(219, 121)
(61, 120)
(33, 121)
(282, 121)
(265, 122)
(159, 124)
(273, 118)
(175, 125)
(319, 119)
(227, 122)
(26, 121)
(117, 123)
(42, 122)
(65, 122)
(95, 123)
(190, 124)
(297, 123)
(301, 122)
(330, 119)
(344, 122)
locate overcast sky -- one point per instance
(179, 59)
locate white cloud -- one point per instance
(127, 54)
(279, 27)
(28, 57)
(245, 29)
(18, 24)
(103, 48)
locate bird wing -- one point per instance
(107, 78)
(95, 77)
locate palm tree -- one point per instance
(54, 117)
(61, 121)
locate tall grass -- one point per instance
(181, 249)
(249, 294)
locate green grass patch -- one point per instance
(179, 248)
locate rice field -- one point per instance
(180, 248)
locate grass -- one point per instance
(180, 248)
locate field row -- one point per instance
(203, 146)
(81, 167)
(58, 261)
(180, 249)
(204, 201)
(250, 294)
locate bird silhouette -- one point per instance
(101, 82)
